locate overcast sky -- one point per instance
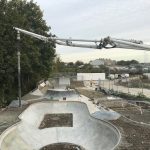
(96, 19)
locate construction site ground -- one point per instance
(110, 84)
(135, 135)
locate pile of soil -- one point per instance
(57, 120)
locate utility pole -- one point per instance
(103, 84)
(109, 77)
(109, 83)
(19, 68)
(141, 85)
(127, 81)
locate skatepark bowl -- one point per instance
(59, 94)
(59, 125)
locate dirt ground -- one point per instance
(90, 94)
(134, 136)
(134, 91)
(135, 114)
(57, 120)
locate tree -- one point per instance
(127, 63)
(36, 56)
(58, 65)
(70, 64)
(78, 63)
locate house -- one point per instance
(147, 74)
(90, 76)
(101, 61)
(96, 63)
(109, 62)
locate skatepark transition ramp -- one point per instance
(59, 94)
(54, 123)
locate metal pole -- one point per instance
(114, 84)
(128, 88)
(103, 83)
(99, 83)
(142, 86)
(127, 80)
(109, 78)
(19, 68)
(117, 87)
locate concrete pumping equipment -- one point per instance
(107, 42)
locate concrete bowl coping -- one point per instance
(89, 139)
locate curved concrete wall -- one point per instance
(88, 132)
(58, 94)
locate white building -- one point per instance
(101, 61)
(90, 76)
(147, 74)
(97, 62)
(64, 81)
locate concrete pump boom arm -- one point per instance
(97, 44)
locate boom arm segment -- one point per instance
(97, 44)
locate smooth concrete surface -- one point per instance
(88, 132)
(98, 112)
(37, 92)
(60, 82)
(71, 95)
(64, 81)
(59, 94)
(15, 103)
(104, 114)
(17, 144)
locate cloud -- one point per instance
(96, 19)
(72, 55)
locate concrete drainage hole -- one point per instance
(62, 146)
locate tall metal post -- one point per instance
(109, 83)
(127, 81)
(141, 85)
(109, 77)
(19, 68)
